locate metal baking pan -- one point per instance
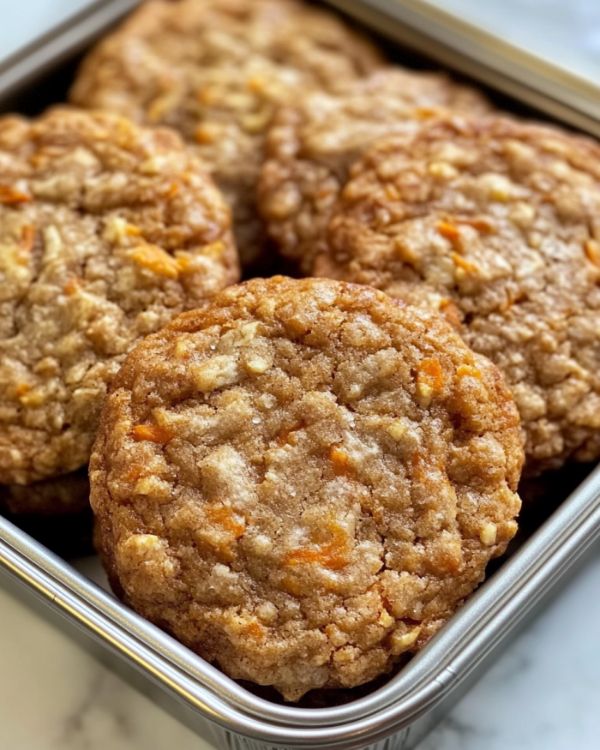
(565, 95)
(556, 533)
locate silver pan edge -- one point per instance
(398, 714)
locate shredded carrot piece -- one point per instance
(27, 237)
(450, 231)
(155, 259)
(451, 312)
(225, 518)
(71, 286)
(327, 557)
(479, 223)
(340, 460)
(183, 261)
(21, 389)
(592, 250)
(133, 230)
(254, 630)
(468, 371)
(465, 265)
(10, 196)
(133, 474)
(152, 432)
(333, 555)
(422, 466)
(431, 371)
(288, 436)
(425, 113)
(205, 134)
(416, 462)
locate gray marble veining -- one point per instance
(543, 693)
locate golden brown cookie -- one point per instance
(107, 231)
(61, 496)
(312, 143)
(215, 70)
(55, 512)
(498, 222)
(303, 480)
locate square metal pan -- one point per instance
(396, 715)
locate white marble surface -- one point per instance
(542, 694)
(17, 30)
(564, 33)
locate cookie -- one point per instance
(312, 143)
(303, 480)
(215, 70)
(107, 231)
(61, 496)
(497, 221)
(55, 512)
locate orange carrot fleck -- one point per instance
(27, 237)
(184, 261)
(334, 555)
(468, 371)
(479, 223)
(204, 134)
(132, 230)
(465, 265)
(133, 474)
(450, 231)
(451, 312)
(288, 437)
(151, 432)
(426, 113)
(431, 370)
(155, 259)
(224, 517)
(254, 630)
(71, 286)
(21, 389)
(11, 196)
(340, 460)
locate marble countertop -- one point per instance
(542, 694)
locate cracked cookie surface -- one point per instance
(496, 221)
(216, 70)
(303, 480)
(312, 143)
(107, 230)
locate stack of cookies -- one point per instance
(300, 479)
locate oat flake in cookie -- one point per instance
(312, 143)
(303, 480)
(106, 231)
(497, 222)
(215, 70)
